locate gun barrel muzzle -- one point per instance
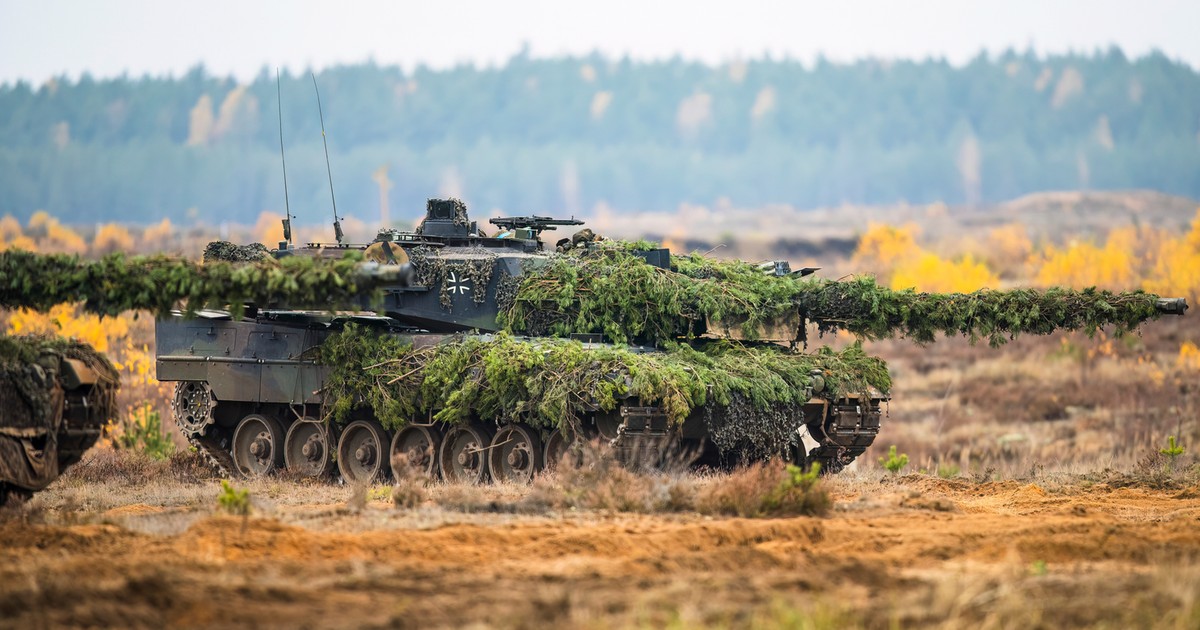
(1171, 306)
(376, 273)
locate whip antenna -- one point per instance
(337, 224)
(287, 223)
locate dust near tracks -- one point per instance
(917, 551)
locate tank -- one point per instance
(489, 355)
(253, 391)
(57, 396)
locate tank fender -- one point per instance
(75, 374)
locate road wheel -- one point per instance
(559, 450)
(463, 454)
(515, 455)
(306, 449)
(361, 452)
(258, 446)
(418, 448)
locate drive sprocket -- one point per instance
(194, 406)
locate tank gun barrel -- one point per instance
(373, 272)
(734, 299)
(1171, 306)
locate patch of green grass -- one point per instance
(233, 500)
(1172, 451)
(894, 462)
(142, 431)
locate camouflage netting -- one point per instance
(608, 290)
(749, 393)
(228, 252)
(752, 394)
(434, 272)
(118, 283)
(602, 289)
(754, 432)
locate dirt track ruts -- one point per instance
(913, 552)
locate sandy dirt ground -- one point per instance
(913, 551)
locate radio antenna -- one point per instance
(337, 224)
(287, 223)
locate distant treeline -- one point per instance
(561, 135)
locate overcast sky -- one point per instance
(44, 38)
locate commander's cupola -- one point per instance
(447, 218)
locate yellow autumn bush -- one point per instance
(10, 228)
(135, 362)
(159, 237)
(1175, 270)
(39, 224)
(885, 245)
(12, 237)
(1007, 248)
(66, 320)
(893, 252)
(1083, 264)
(934, 274)
(53, 236)
(1158, 260)
(1189, 357)
(268, 229)
(112, 238)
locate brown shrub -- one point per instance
(189, 465)
(741, 492)
(469, 497)
(766, 489)
(601, 482)
(101, 465)
(409, 490)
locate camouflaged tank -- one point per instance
(56, 395)
(486, 355)
(252, 390)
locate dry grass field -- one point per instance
(124, 542)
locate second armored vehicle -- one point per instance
(56, 396)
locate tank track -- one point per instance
(208, 445)
(214, 455)
(13, 495)
(848, 429)
(845, 438)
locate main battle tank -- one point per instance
(56, 396)
(486, 356)
(252, 391)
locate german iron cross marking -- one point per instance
(456, 285)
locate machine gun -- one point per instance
(535, 224)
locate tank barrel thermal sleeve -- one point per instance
(1171, 306)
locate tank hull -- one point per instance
(263, 375)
